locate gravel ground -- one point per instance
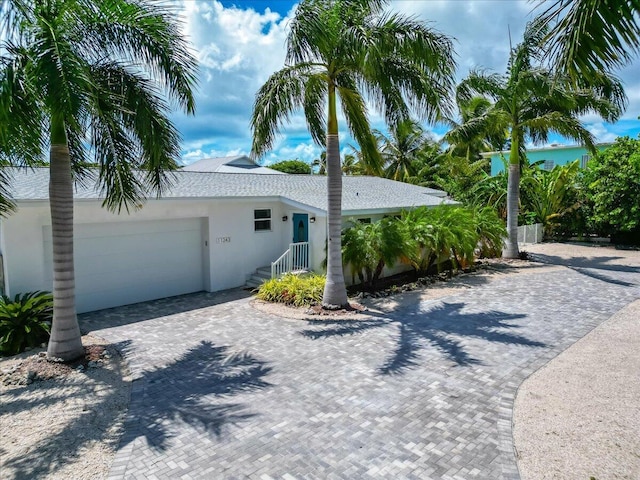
(58, 422)
(576, 418)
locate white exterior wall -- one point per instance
(231, 249)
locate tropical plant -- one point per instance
(491, 191)
(552, 195)
(25, 321)
(610, 186)
(344, 49)
(479, 129)
(491, 232)
(456, 235)
(84, 78)
(296, 290)
(591, 36)
(428, 166)
(460, 177)
(368, 247)
(351, 165)
(419, 239)
(531, 101)
(319, 165)
(292, 167)
(402, 149)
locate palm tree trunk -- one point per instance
(65, 342)
(335, 290)
(513, 199)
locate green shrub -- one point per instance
(610, 184)
(296, 290)
(491, 230)
(25, 321)
(292, 167)
(368, 248)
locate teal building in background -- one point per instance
(551, 156)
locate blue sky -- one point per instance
(240, 43)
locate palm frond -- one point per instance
(591, 36)
(281, 95)
(355, 112)
(143, 33)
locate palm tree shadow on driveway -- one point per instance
(195, 389)
(444, 327)
(599, 268)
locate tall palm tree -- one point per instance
(345, 49)
(91, 77)
(402, 149)
(477, 130)
(531, 102)
(591, 36)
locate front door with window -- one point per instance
(300, 227)
(301, 234)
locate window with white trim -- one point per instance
(262, 219)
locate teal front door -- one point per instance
(300, 234)
(300, 227)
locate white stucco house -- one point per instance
(209, 232)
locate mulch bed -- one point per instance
(352, 309)
(37, 367)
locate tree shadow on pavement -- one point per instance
(444, 327)
(594, 267)
(194, 389)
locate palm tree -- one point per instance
(343, 49)
(591, 36)
(478, 130)
(402, 149)
(531, 102)
(351, 165)
(91, 77)
(320, 163)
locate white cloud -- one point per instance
(601, 133)
(238, 49)
(192, 155)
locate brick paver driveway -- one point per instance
(224, 391)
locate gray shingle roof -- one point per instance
(359, 193)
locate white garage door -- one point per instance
(122, 263)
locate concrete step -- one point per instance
(252, 284)
(263, 272)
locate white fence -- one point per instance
(530, 233)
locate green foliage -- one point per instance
(491, 232)
(367, 248)
(551, 195)
(423, 238)
(292, 166)
(612, 187)
(25, 321)
(99, 76)
(296, 290)
(460, 177)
